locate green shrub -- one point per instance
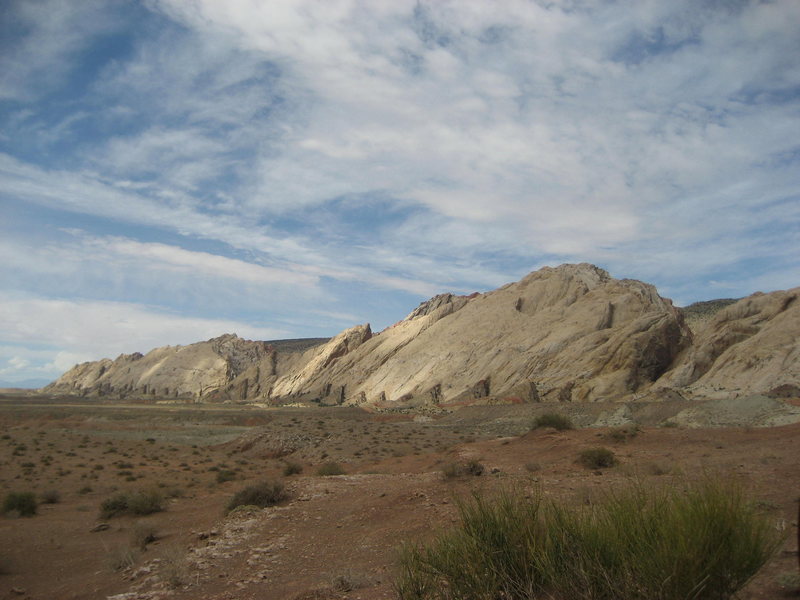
(597, 458)
(331, 468)
(554, 420)
(292, 468)
(703, 542)
(262, 494)
(22, 503)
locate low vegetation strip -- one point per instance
(703, 542)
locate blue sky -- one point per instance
(171, 170)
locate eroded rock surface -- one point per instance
(569, 334)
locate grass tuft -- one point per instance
(703, 542)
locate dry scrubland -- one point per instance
(137, 501)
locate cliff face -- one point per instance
(571, 333)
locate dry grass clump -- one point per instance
(292, 468)
(120, 558)
(461, 469)
(51, 496)
(262, 494)
(622, 433)
(702, 542)
(597, 458)
(173, 568)
(142, 534)
(331, 468)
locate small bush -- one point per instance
(461, 469)
(51, 497)
(554, 420)
(331, 468)
(224, 475)
(22, 503)
(262, 494)
(136, 503)
(621, 434)
(597, 458)
(292, 468)
(116, 505)
(704, 542)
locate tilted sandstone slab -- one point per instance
(571, 333)
(193, 371)
(749, 347)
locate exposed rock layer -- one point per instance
(571, 333)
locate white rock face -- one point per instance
(750, 347)
(569, 334)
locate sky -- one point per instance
(172, 170)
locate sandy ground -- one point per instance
(333, 537)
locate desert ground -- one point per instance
(337, 536)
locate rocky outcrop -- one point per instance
(566, 334)
(749, 347)
(201, 370)
(571, 333)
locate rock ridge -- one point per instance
(571, 333)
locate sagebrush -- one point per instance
(142, 502)
(22, 503)
(261, 494)
(554, 420)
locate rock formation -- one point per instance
(567, 334)
(748, 347)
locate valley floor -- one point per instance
(334, 536)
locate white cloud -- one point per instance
(202, 263)
(107, 329)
